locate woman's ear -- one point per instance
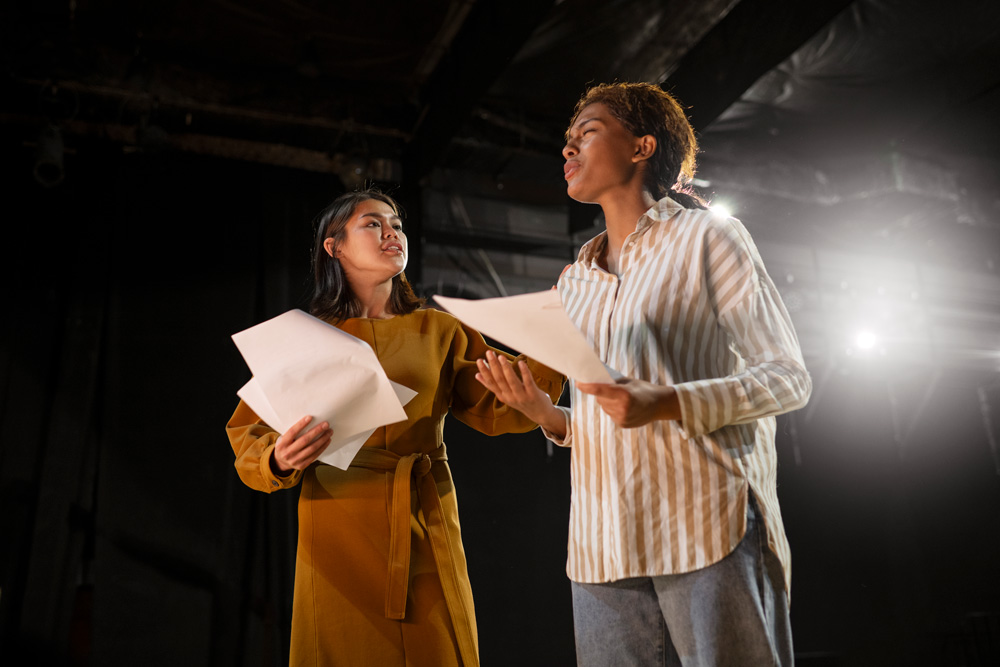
(330, 245)
(644, 148)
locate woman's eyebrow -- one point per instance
(381, 216)
(580, 123)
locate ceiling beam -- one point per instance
(492, 34)
(506, 242)
(753, 38)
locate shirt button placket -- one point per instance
(607, 310)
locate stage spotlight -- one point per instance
(720, 210)
(352, 169)
(865, 340)
(48, 167)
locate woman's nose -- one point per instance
(568, 151)
(389, 232)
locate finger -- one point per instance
(487, 382)
(317, 446)
(293, 446)
(597, 388)
(614, 413)
(293, 431)
(484, 368)
(527, 379)
(501, 370)
(316, 433)
(513, 383)
(509, 374)
(304, 457)
(306, 436)
(489, 374)
(486, 375)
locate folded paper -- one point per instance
(535, 324)
(303, 366)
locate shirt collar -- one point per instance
(658, 212)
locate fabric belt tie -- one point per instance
(405, 469)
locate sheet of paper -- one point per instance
(341, 450)
(304, 366)
(340, 453)
(534, 324)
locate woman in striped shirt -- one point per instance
(677, 552)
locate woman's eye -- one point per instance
(398, 228)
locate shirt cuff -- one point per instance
(566, 441)
(690, 423)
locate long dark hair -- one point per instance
(647, 109)
(332, 298)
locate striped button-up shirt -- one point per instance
(694, 308)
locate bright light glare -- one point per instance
(866, 340)
(720, 210)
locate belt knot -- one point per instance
(421, 465)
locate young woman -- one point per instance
(677, 552)
(380, 575)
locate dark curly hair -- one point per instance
(643, 108)
(332, 298)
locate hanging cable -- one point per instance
(458, 210)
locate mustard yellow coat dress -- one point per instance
(380, 576)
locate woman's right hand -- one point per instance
(294, 450)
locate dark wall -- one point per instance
(127, 280)
(128, 538)
(132, 540)
(895, 531)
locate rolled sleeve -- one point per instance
(253, 443)
(566, 441)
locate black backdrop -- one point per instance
(128, 538)
(130, 533)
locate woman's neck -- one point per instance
(621, 213)
(374, 299)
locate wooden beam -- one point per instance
(491, 36)
(753, 38)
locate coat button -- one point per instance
(274, 484)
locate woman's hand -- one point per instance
(632, 403)
(293, 451)
(521, 393)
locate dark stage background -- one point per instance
(200, 139)
(127, 524)
(130, 540)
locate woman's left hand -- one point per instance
(633, 403)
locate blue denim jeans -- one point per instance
(732, 613)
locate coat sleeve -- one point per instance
(253, 444)
(773, 379)
(475, 405)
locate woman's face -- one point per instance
(599, 154)
(374, 245)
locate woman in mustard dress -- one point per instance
(380, 576)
